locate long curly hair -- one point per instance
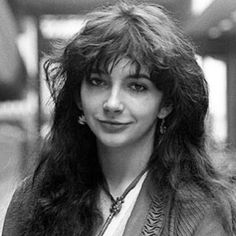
(68, 173)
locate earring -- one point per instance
(81, 120)
(162, 126)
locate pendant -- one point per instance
(116, 205)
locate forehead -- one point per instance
(124, 65)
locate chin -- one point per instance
(113, 143)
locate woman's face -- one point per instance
(121, 108)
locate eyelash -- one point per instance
(139, 88)
(94, 81)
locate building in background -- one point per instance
(214, 32)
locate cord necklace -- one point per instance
(116, 204)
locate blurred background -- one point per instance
(27, 29)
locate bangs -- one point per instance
(107, 44)
(106, 65)
(123, 45)
(109, 36)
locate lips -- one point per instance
(112, 122)
(113, 126)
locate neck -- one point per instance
(121, 165)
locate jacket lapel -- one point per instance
(147, 215)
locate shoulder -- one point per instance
(20, 206)
(210, 225)
(196, 212)
(25, 191)
(191, 201)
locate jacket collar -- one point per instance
(149, 200)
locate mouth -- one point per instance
(114, 122)
(114, 126)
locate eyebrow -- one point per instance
(138, 76)
(95, 71)
(129, 76)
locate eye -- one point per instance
(137, 87)
(96, 81)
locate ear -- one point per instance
(164, 111)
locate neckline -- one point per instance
(117, 203)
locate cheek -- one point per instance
(87, 103)
(148, 108)
(85, 99)
(90, 101)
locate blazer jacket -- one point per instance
(186, 213)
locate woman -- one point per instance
(126, 152)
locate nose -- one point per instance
(113, 103)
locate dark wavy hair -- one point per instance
(69, 174)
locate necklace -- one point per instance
(117, 203)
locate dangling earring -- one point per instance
(162, 126)
(81, 120)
